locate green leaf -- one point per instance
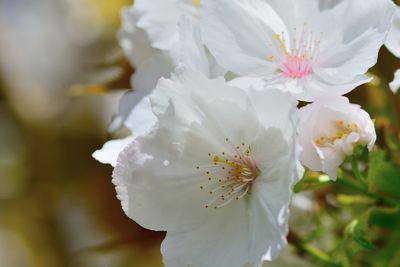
(383, 176)
(385, 217)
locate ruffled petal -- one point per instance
(109, 153)
(157, 188)
(362, 34)
(134, 41)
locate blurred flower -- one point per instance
(14, 250)
(310, 48)
(329, 130)
(67, 40)
(205, 179)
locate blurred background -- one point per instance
(61, 76)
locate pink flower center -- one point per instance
(297, 66)
(296, 58)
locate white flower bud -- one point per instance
(329, 130)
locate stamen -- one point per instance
(298, 60)
(234, 178)
(196, 3)
(342, 132)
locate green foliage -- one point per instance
(388, 218)
(383, 176)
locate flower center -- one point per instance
(229, 177)
(342, 132)
(298, 60)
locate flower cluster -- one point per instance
(217, 136)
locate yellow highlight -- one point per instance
(196, 2)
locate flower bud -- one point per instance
(330, 130)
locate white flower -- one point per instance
(329, 129)
(393, 45)
(215, 173)
(155, 39)
(309, 47)
(134, 110)
(395, 84)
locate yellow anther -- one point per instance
(196, 2)
(281, 43)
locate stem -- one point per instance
(363, 190)
(357, 173)
(310, 250)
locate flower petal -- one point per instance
(156, 188)
(108, 154)
(395, 84)
(133, 40)
(221, 241)
(159, 19)
(363, 33)
(393, 38)
(247, 51)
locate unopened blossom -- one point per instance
(134, 110)
(215, 173)
(307, 47)
(393, 45)
(329, 130)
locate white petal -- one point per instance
(223, 240)
(159, 19)
(143, 81)
(141, 118)
(238, 34)
(156, 187)
(147, 75)
(363, 33)
(395, 84)
(393, 38)
(240, 232)
(191, 52)
(134, 41)
(186, 87)
(275, 108)
(323, 83)
(331, 161)
(110, 151)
